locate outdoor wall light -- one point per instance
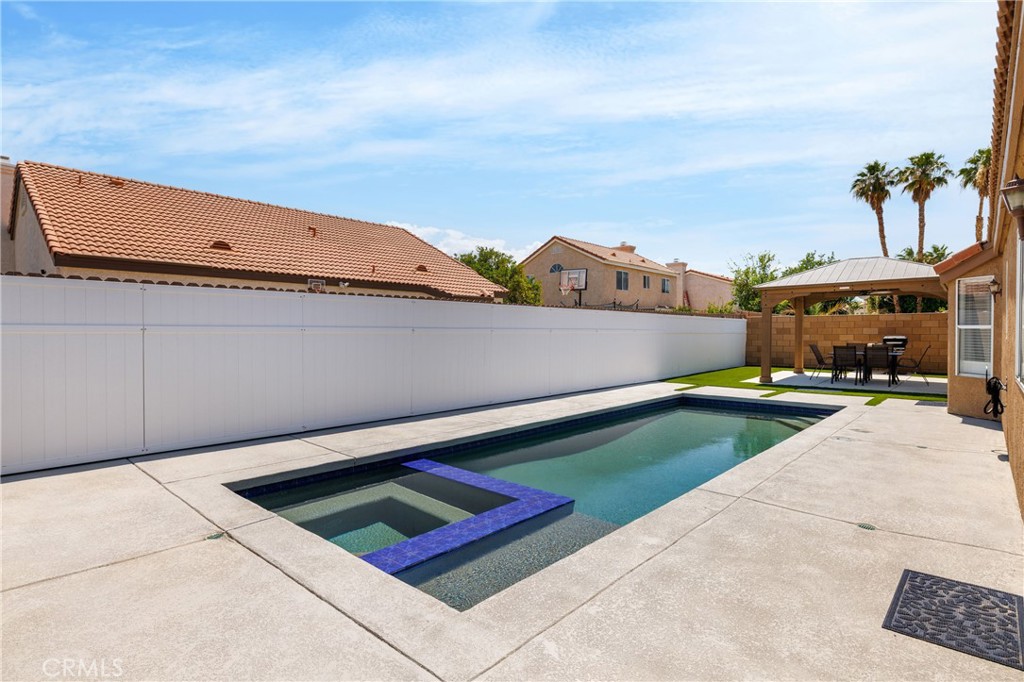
(994, 286)
(1013, 198)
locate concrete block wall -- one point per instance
(836, 330)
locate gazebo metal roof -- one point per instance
(858, 276)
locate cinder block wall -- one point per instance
(836, 330)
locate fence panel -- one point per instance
(72, 387)
(221, 365)
(97, 370)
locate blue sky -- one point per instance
(698, 131)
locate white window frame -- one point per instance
(666, 287)
(621, 278)
(1018, 331)
(647, 281)
(990, 326)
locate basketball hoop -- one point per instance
(568, 285)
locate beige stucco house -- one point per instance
(619, 275)
(985, 281)
(76, 223)
(6, 194)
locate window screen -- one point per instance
(621, 280)
(1020, 309)
(973, 326)
(647, 281)
(664, 286)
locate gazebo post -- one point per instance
(766, 338)
(798, 331)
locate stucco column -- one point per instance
(766, 339)
(798, 331)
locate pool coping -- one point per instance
(454, 644)
(527, 503)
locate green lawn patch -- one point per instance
(737, 377)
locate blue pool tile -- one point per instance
(527, 503)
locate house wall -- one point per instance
(228, 281)
(1012, 336)
(1009, 162)
(6, 198)
(967, 394)
(600, 280)
(835, 330)
(96, 370)
(704, 291)
(31, 255)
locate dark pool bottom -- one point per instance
(464, 522)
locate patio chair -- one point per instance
(819, 358)
(844, 359)
(912, 367)
(876, 358)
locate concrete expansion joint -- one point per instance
(103, 565)
(861, 525)
(611, 584)
(330, 604)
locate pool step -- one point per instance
(492, 567)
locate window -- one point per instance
(1020, 309)
(664, 286)
(557, 267)
(647, 281)
(621, 280)
(973, 326)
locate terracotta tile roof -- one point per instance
(616, 255)
(96, 216)
(959, 257)
(690, 271)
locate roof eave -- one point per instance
(184, 269)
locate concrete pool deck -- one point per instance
(149, 568)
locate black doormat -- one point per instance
(972, 619)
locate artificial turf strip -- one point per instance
(736, 377)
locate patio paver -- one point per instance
(209, 610)
(760, 573)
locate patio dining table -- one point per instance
(894, 354)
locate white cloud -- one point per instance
(522, 94)
(454, 242)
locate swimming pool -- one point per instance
(463, 522)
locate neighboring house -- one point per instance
(618, 274)
(6, 193)
(72, 222)
(704, 289)
(986, 280)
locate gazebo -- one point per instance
(870, 276)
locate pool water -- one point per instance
(624, 470)
(463, 523)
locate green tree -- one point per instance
(811, 260)
(975, 175)
(754, 270)
(872, 187)
(501, 268)
(925, 173)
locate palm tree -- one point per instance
(975, 174)
(872, 187)
(936, 254)
(926, 172)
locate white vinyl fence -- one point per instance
(98, 370)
